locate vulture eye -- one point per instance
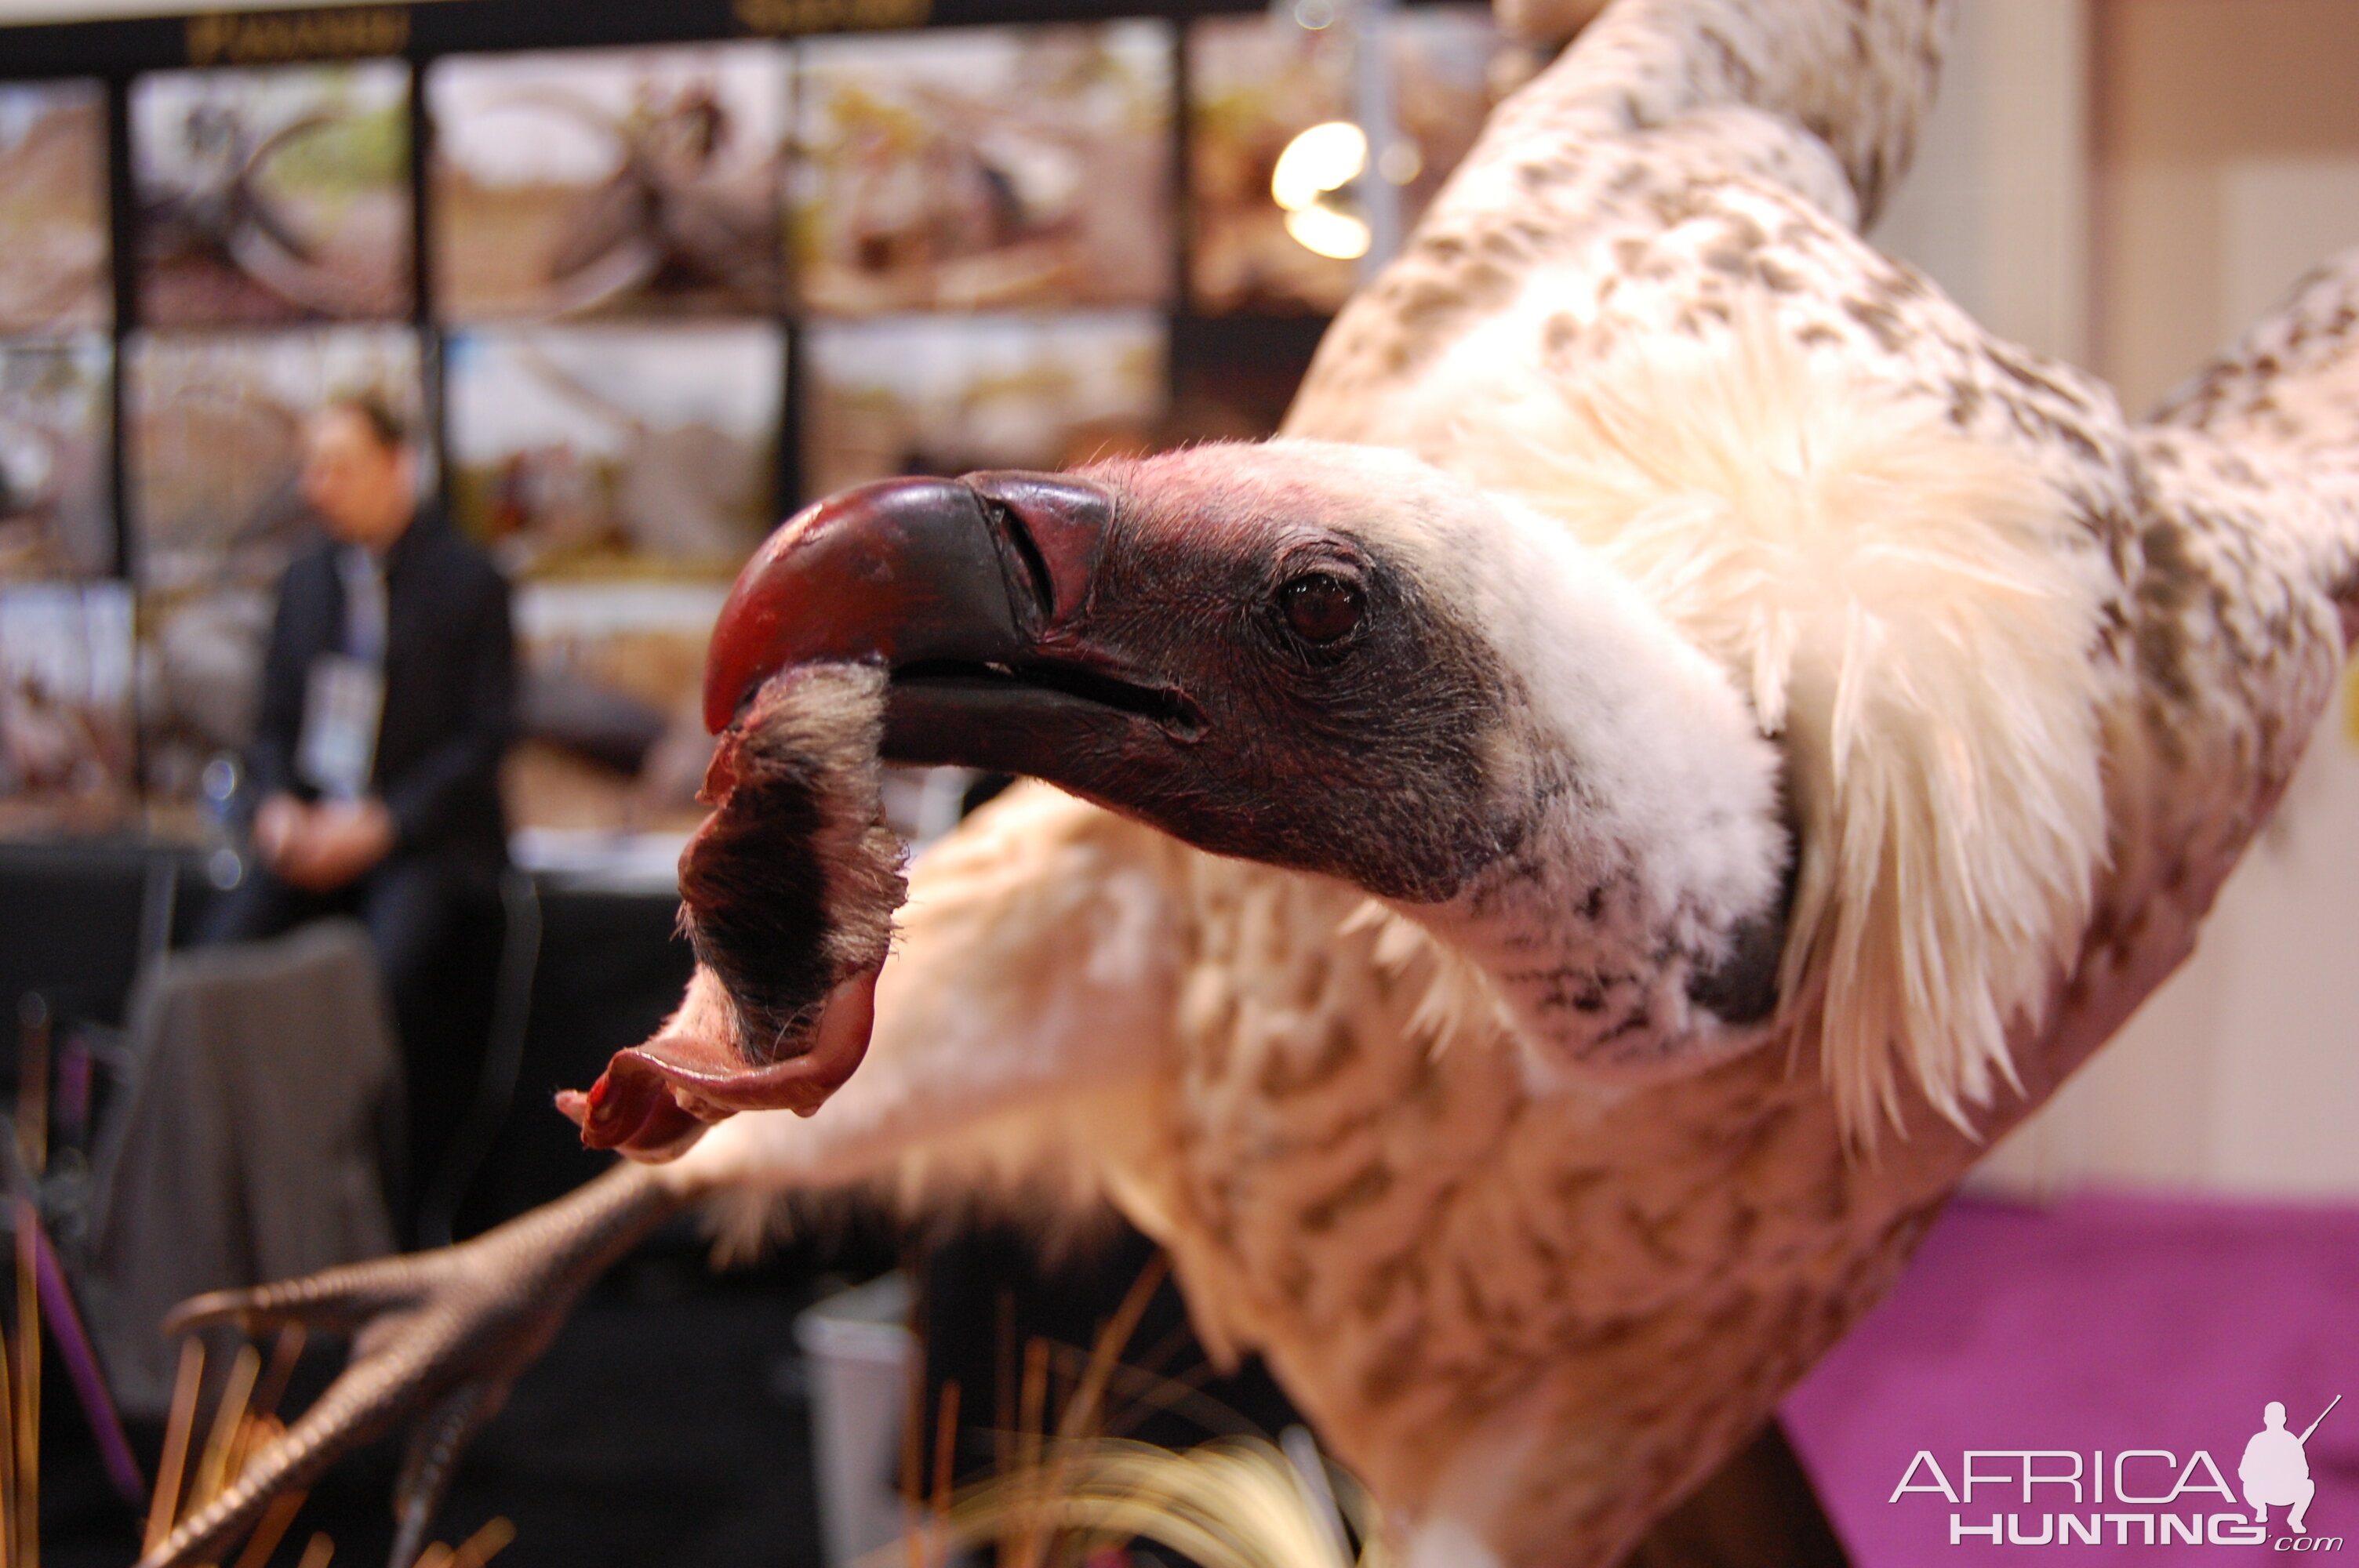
(1321, 607)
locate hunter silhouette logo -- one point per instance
(2275, 1467)
(2130, 1497)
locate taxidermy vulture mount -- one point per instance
(1559, 864)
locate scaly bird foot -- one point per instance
(438, 1337)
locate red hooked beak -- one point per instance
(911, 572)
(979, 596)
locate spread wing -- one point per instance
(2110, 641)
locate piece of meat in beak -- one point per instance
(928, 620)
(786, 895)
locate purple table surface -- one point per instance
(2146, 1330)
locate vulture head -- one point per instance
(1335, 659)
(1342, 661)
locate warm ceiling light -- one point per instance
(1307, 182)
(1329, 233)
(1323, 158)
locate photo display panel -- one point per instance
(56, 512)
(967, 240)
(611, 719)
(54, 249)
(982, 167)
(622, 182)
(620, 474)
(271, 196)
(946, 395)
(1253, 84)
(616, 450)
(67, 751)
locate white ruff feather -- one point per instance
(1896, 600)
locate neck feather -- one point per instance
(1635, 927)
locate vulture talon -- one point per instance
(439, 1336)
(333, 1301)
(435, 1445)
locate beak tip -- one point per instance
(721, 699)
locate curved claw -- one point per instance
(333, 1301)
(438, 1335)
(435, 1445)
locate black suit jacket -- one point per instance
(450, 690)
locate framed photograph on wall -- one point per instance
(57, 511)
(272, 196)
(615, 449)
(1255, 84)
(66, 673)
(621, 475)
(622, 182)
(949, 393)
(981, 167)
(54, 269)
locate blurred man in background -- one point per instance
(388, 699)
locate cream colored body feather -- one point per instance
(1892, 596)
(2037, 676)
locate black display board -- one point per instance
(1192, 274)
(1266, 355)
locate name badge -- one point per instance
(342, 701)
